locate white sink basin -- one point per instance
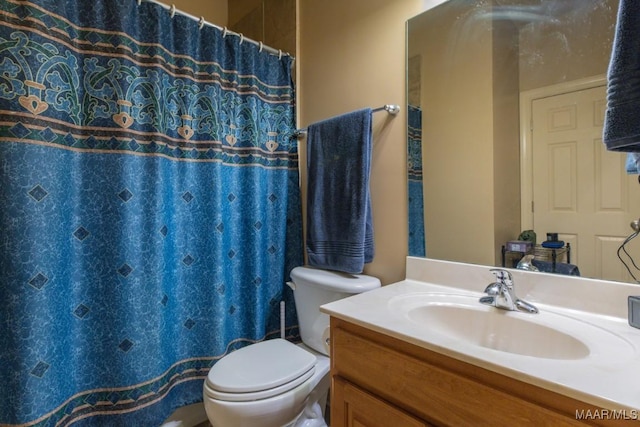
(546, 335)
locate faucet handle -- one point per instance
(503, 276)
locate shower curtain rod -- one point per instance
(202, 22)
(392, 109)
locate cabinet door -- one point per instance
(354, 407)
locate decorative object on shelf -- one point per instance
(553, 256)
(528, 235)
(519, 246)
(552, 245)
(552, 241)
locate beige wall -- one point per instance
(548, 57)
(470, 152)
(458, 136)
(271, 21)
(214, 11)
(352, 55)
(506, 150)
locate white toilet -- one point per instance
(276, 383)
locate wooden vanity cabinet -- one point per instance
(360, 408)
(381, 381)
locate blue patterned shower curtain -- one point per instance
(149, 208)
(417, 244)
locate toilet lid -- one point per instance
(262, 366)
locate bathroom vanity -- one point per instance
(383, 381)
(422, 352)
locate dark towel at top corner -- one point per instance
(339, 220)
(622, 120)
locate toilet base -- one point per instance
(313, 414)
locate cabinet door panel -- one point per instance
(356, 408)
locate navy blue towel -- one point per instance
(339, 220)
(622, 120)
(558, 267)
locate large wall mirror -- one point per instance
(506, 106)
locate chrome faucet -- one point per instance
(501, 294)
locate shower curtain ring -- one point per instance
(279, 53)
(173, 10)
(260, 50)
(139, 2)
(224, 32)
(241, 38)
(201, 23)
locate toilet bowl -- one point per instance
(276, 383)
(256, 389)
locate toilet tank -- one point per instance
(314, 287)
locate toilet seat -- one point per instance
(259, 371)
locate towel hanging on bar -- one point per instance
(392, 109)
(339, 217)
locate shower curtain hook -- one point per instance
(139, 2)
(279, 53)
(173, 10)
(201, 23)
(224, 32)
(260, 50)
(241, 38)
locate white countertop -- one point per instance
(607, 378)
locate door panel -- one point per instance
(581, 190)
